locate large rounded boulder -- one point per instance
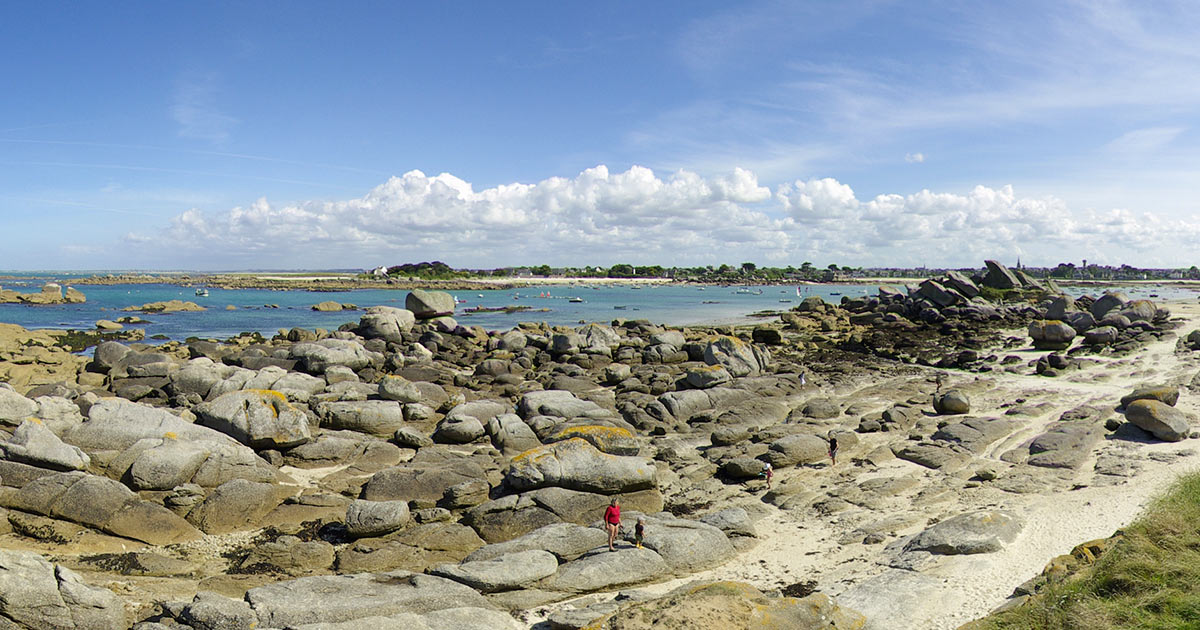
(1051, 334)
(577, 465)
(429, 304)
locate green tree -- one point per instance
(621, 270)
(540, 270)
(748, 267)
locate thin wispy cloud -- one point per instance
(974, 75)
(196, 109)
(1142, 142)
(914, 158)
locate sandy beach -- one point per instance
(802, 545)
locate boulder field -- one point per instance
(408, 470)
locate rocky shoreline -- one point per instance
(409, 471)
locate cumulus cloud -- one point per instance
(914, 158)
(599, 217)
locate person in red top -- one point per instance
(612, 521)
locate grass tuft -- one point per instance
(1149, 580)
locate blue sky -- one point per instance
(320, 135)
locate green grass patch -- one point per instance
(999, 295)
(1149, 580)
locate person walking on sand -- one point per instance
(833, 448)
(639, 531)
(767, 472)
(612, 521)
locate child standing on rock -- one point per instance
(639, 532)
(767, 473)
(612, 521)
(833, 448)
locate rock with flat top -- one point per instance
(577, 465)
(503, 573)
(984, 531)
(1168, 394)
(429, 304)
(343, 598)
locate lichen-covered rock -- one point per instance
(974, 532)
(708, 376)
(1139, 311)
(259, 418)
(1159, 419)
(612, 440)
(731, 606)
(1050, 334)
(1168, 394)
(577, 465)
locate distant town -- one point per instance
(751, 272)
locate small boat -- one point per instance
(576, 300)
(834, 293)
(620, 308)
(478, 295)
(458, 300)
(787, 301)
(201, 292)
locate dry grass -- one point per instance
(1150, 580)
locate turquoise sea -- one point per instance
(676, 305)
(673, 304)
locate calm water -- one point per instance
(676, 305)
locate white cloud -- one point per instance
(914, 158)
(599, 217)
